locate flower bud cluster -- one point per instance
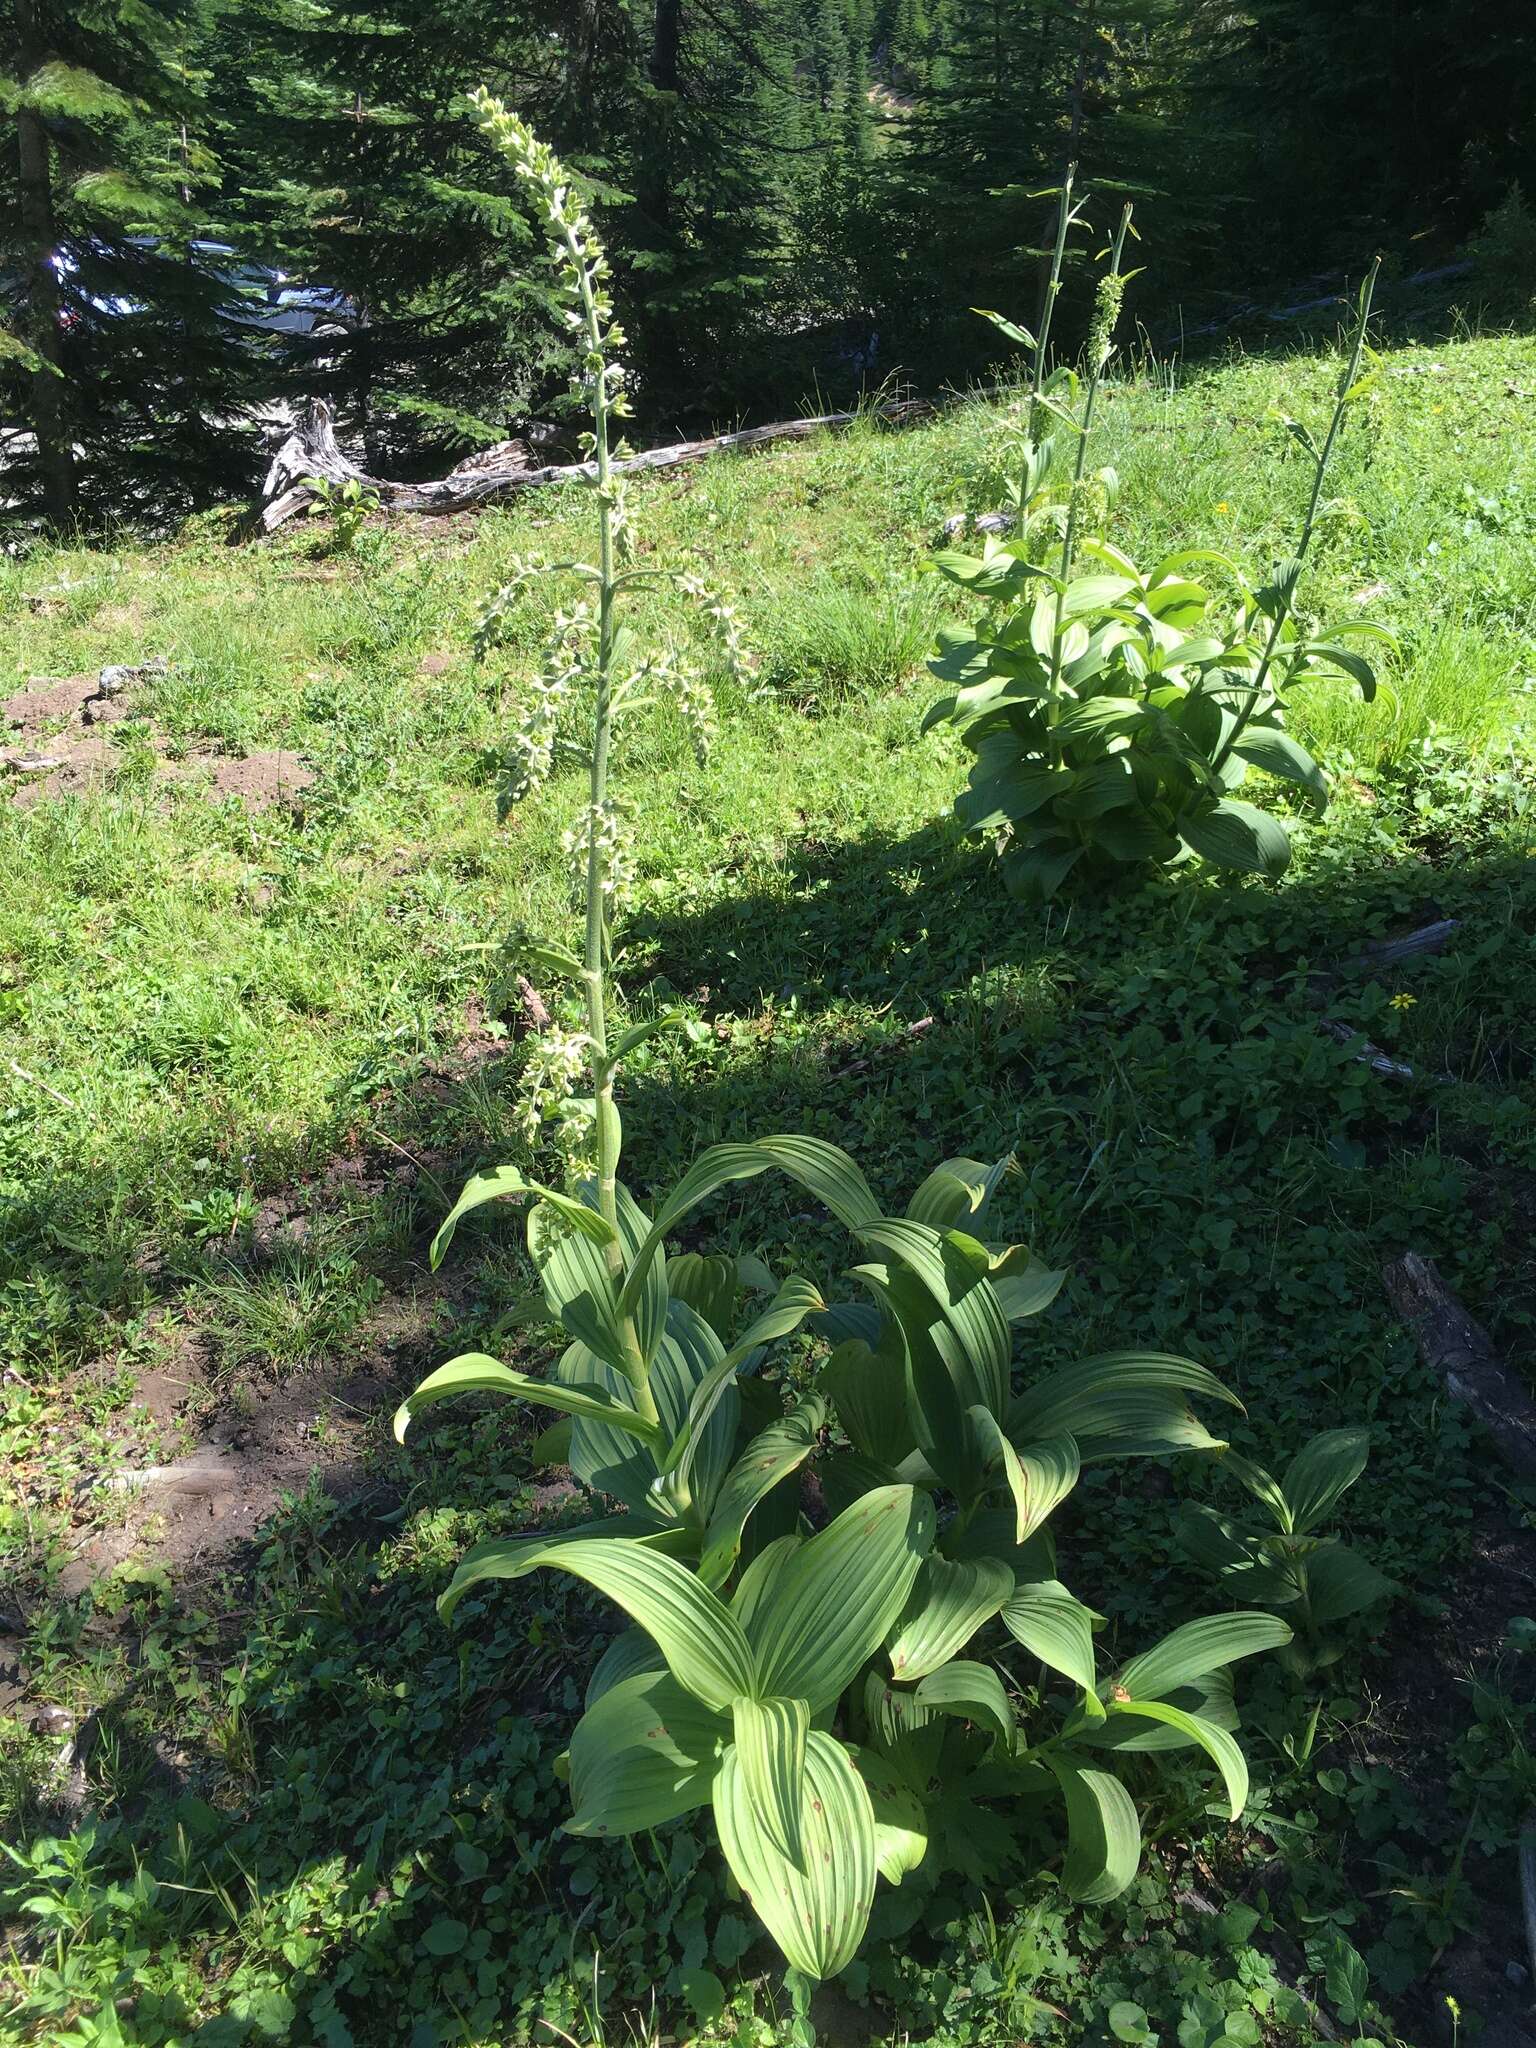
(603, 826)
(567, 658)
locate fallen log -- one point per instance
(1454, 1345)
(311, 450)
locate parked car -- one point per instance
(260, 297)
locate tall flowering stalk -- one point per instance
(762, 1690)
(588, 646)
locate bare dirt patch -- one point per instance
(258, 780)
(54, 754)
(47, 703)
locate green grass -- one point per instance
(203, 1010)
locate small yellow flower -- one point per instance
(1403, 1001)
(1223, 506)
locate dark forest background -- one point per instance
(802, 197)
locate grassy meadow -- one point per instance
(247, 1054)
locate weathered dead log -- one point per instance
(1371, 959)
(1453, 1344)
(312, 450)
(1429, 938)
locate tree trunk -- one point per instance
(55, 452)
(654, 195)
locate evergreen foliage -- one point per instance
(813, 194)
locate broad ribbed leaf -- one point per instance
(503, 1181)
(580, 1290)
(1216, 1742)
(770, 1754)
(1263, 1486)
(708, 1283)
(941, 1382)
(511, 1557)
(968, 1691)
(955, 1270)
(475, 1373)
(990, 1533)
(1212, 1700)
(1039, 1477)
(772, 1454)
(1185, 1657)
(646, 1752)
(1079, 1400)
(1321, 1471)
(1238, 1558)
(824, 1170)
(835, 1601)
(1147, 1425)
(759, 1579)
(697, 1634)
(630, 1653)
(697, 1394)
(1278, 754)
(901, 1826)
(795, 1300)
(1103, 1833)
(846, 1476)
(1057, 1629)
(816, 1911)
(868, 1389)
(606, 1459)
(1237, 836)
(948, 1604)
(1339, 1582)
(1023, 1284)
(958, 1191)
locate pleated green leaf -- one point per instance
(969, 1692)
(1039, 1477)
(644, 1753)
(868, 1388)
(901, 1826)
(958, 1191)
(1185, 1656)
(948, 1604)
(698, 1635)
(631, 1652)
(1339, 1583)
(1057, 1629)
(512, 1557)
(955, 1269)
(795, 1300)
(1103, 1833)
(816, 1910)
(759, 1579)
(1216, 1742)
(1321, 1471)
(772, 1454)
(835, 1600)
(1237, 836)
(709, 1284)
(475, 1373)
(824, 1170)
(770, 1752)
(497, 1185)
(1080, 1399)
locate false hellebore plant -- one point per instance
(1113, 711)
(815, 1690)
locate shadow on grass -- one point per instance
(350, 1822)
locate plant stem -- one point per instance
(1286, 601)
(1052, 291)
(609, 1134)
(1080, 464)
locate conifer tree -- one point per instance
(131, 379)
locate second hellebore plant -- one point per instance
(814, 1687)
(1112, 712)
